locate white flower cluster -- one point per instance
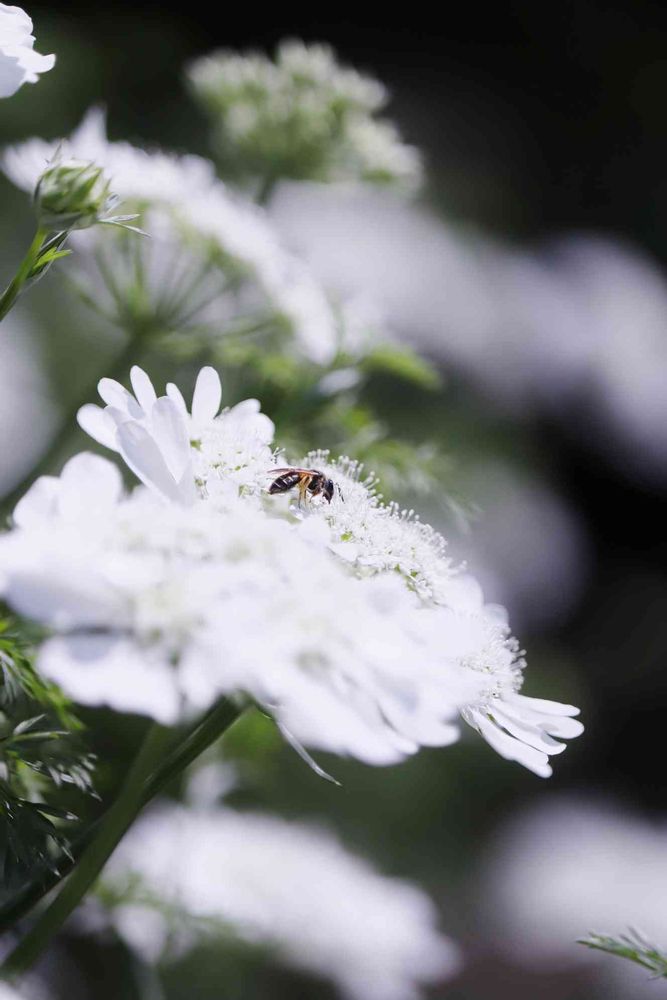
(19, 63)
(302, 116)
(604, 874)
(345, 620)
(8, 993)
(212, 256)
(281, 885)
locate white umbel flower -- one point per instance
(159, 608)
(199, 228)
(466, 654)
(19, 63)
(347, 621)
(283, 885)
(301, 116)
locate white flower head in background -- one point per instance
(575, 326)
(9, 993)
(27, 410)
(345, 620)
(213, 261)
(19, 63)
(280, 885)
(569, 867)
(302, 116)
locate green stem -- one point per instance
(206, 732)
(216, 722)
(15, 287)
(116, 822)
(266, 189)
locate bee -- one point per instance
(310, 483)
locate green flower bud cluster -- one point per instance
(72, 194)
(302, 116)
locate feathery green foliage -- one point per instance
(39, 754)
(633, 946)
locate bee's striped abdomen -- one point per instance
(285, 482)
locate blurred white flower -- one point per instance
(526, 544)
(19, 63)
(282, 885)
(301, 116)
(569, 867)
(466, 654)
(205, 240)
(26, 411)
(577, 326)
(9, 993)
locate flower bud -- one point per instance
(72, 194)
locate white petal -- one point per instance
(14, 23)
(263, 428)
(118, 417)
(541, 705)
(143, 388)
(187, 490)
(525, 712)
(34, 62)
(245, 407)
(207, 396)
(464, 593)
(507, 746)
(323, 719)
(524, 731)
(64, 597)
(38, 504)
(12, 75)
(565, 727)
(176, 397)
(97, 424)
(114, 394)
(171, 435)
(89, 484)
(143, 456)
(89, 138)
(103, 670)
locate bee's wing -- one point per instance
(291, 468)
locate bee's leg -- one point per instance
(303, 486)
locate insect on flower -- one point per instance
(310, 483)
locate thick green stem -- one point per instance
(116, 822)
(206, 732)
(266, 188)
(15, 287)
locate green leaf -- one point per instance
(403, 363)
(42, 762)
(632, 946)
(22, 727)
